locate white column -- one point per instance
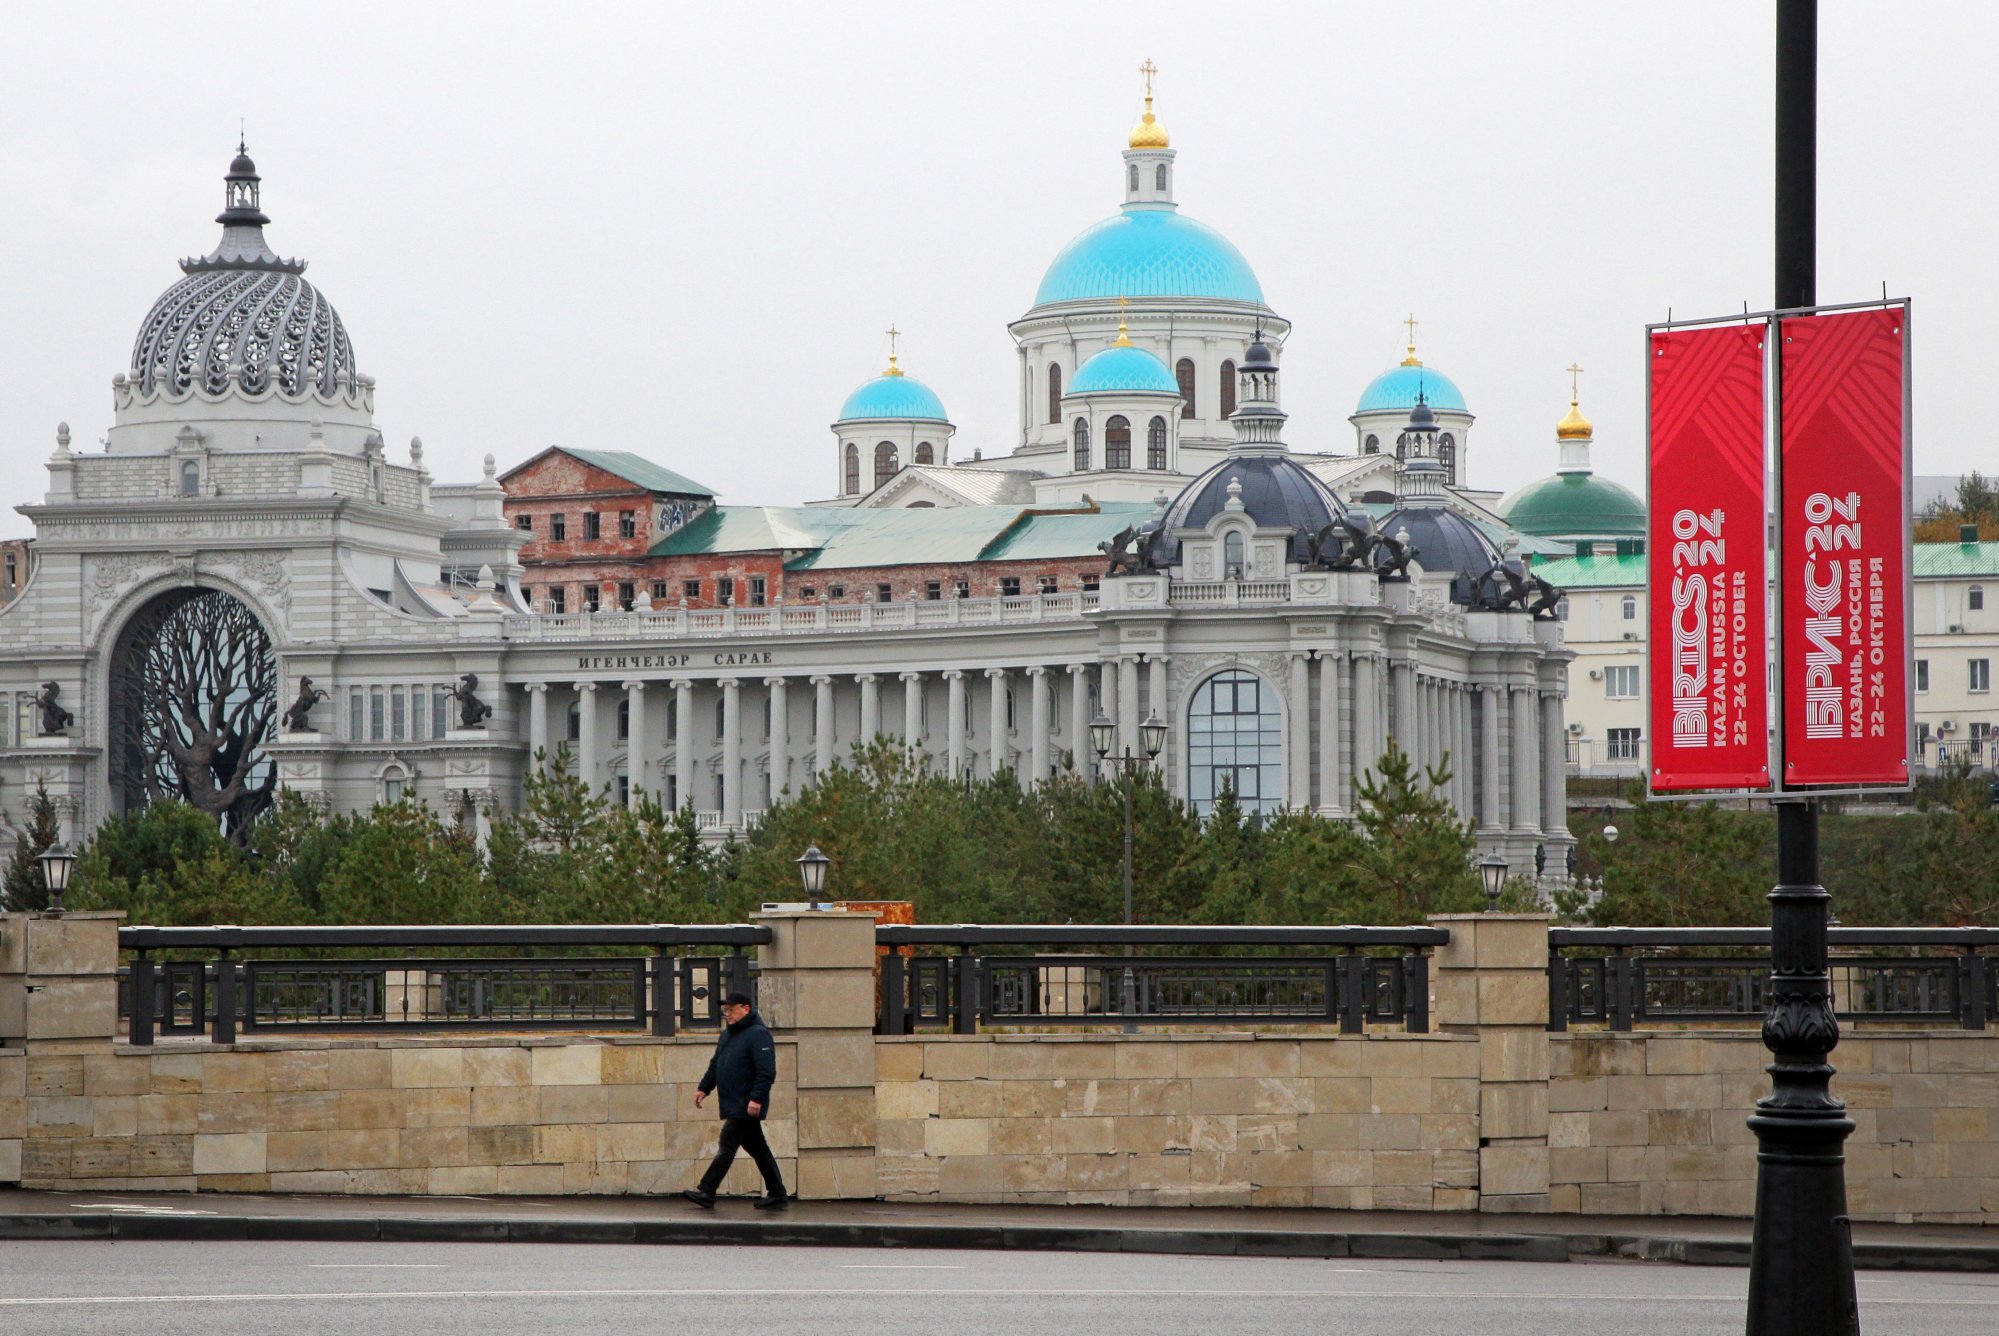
(1156, 702)
(1330, 779)
(822, 725)
(1298, 744)
(1367, 706)
(1526, 742)
(1079, 718)
(912, 711)
(995, 720)
(1037, 691)
(1491, 700)
(732, 753)
(780, 738)
(871, 706)
(1554, 770)
(683, 743)
(954, 724)
(586, 745)
(1127, 705)
(1404, 675)
(537, 726)
(1107, 695)
(637, 752)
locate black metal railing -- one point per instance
(657, 983)
(1625, 977)
(1351, 977)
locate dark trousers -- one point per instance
(748, 1133)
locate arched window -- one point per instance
(886, 463)
(575, 729)
(1054, 393)
(1117, 443)
(1233, 554)
(1131, 179)
(1228, 389)
(1183, 371)
(923, 454)
(1159, 178)
(1155, 444)
(1630, 607)
(852, 476)
(1977, 598)
(1447, 455)
(1235, 741)
(1082, 441)
(190, 478)
(1373, 446)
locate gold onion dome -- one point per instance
(1574, 427)
(1148, 133)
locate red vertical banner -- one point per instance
(1707, 647)
(1843, 548)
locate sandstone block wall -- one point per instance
(1230, 1120)
(1655, 1124)
(507, 1115)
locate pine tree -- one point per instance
(25, 889)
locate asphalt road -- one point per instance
(502, 1289)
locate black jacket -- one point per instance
(744, 1065)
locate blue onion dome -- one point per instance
(1123, 367)
(1276, 491)
(1444, 541)
(241, 313)
(1149, 253)
(1397, 389)
(893, 395)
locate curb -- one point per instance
(1549, 1247)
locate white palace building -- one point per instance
(242, 590)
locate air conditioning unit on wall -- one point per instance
(1596, 674)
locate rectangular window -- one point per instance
(418, 715)
(377, 711)
(357, 725)
(883, 594)
(1620, 682)
(398, 714)
(440, 710)
(527, 595)
(963, 589)
(628, 524)
(725, 591)
(1010, 586)
(1089, 584)
(757, 590)
(624, 790)
(659, 591)
(525, 523)
(808, 591)
(1623, 745)
(558, 527)
(933, 590)
(1045, 584)
(627, 594)
(13, 569)
(1922, 674)
(593, 525)
(673, 793)
(591, 597)
(691, 590)
(836, 591)
(558, 599)
(1981, 674)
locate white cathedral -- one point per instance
(242, 590)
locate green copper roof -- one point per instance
(1934, 561)
(640, 471)
(828, 537)
(757, 529)
(1575, 505)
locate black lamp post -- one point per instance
(56, 861)
(1492, 875)
(1152, 738)
(812, 867)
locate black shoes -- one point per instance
(700, 1198)
(772, 1203)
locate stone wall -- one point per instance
(1229, 1120)
(1655, 1124)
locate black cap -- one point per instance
(738, 1000)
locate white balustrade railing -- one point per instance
(1229, 593)
(820, 618)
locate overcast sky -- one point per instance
(679, 229)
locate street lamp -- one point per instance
(812, 866)
(56, 861)
(1610, 834)
(1152, 738)
(1492, 873)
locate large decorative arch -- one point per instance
(194, 699)
(1235, 740)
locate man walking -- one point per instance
(742, 1070)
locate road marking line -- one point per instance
(378, 1266)
(898, 1266)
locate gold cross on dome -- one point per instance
(1148, 69)
(1411, 322)
(1573, 371)
(892, 333)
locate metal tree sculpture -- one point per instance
(194, 685)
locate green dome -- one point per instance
(1575, 505)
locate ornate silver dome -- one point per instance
(242, 312)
